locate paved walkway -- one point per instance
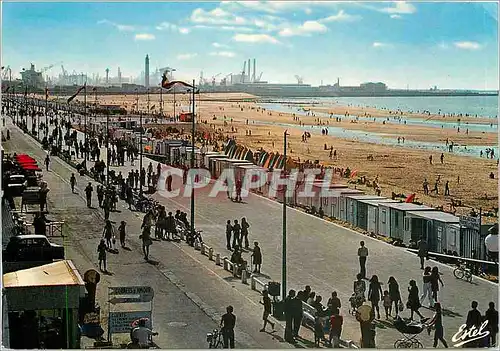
(189, 299)
(323, 255)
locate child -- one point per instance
(319, 333)
(387, 304)
(121, 231)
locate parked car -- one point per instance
(32, 247)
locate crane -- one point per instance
(213, 78)
(43, 70)
(260, 76)
(300, 80)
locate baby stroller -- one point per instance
(409, 330)
(356, 301)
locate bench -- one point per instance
(30, 198)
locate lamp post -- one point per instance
(283, 258)
(87, 156)
(140, 156)
(148, 101)
(193, 125)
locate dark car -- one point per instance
(32, 247)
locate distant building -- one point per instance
(32, 78)
(373, 87)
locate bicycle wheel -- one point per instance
(402, 344)
(469, 277)
(458, 273)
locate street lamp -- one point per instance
(283, 262)
(192, 154)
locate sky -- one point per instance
(414, 45)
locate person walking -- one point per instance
(47, 162)
(437, 322)
(288, 309)
(297, 315)
(426, 287)
(362, 254)
(88, 194)
(122, 233)
(474, 320)
(146, 241)
(435, 280)
(107, 233)
(334, 304)
(336, 322)
(423, 250)
(227, 324)
(394, 294)
(491, 316)
(244, 232)
(229, 230)
(72, 182)
(413, 302)
(101, 250)
(447, 188)
(256, 257)
(236, 234)
(374, 294)
(266, 301)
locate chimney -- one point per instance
(146, 73)
(249, 71)
(253, 76)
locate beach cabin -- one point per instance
(355, 209)
(317, 199)
(207, 155)
(228, 163)
(391, 217)
(337, 208)
(369, 222)
(440, 229)
(242, 169)
(198, 159)
(213, 164)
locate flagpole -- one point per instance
(46, 109)
(85, 117)
(192, 157)
(161, 101)
(148, 102)
(174, 104)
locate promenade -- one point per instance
(320, 254)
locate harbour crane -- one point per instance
(213, 78)
(242, 79)
(300, 80)
(258, 79)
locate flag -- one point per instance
(75, 94)
(46, 93)
(169, 85)
(410, 198)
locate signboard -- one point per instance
(120, 322)
(141, 298)
(131, 290)
(468, 222)
(91, 318)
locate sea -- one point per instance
(482, 106)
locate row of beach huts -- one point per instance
(401, 221)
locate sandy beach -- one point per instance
(399, 169)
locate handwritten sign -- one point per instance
(120, 322)
(466, 336)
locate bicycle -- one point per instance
(462, 272)
(214, 339)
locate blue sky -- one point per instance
(415, 44)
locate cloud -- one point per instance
(216, 16)
(144, 36)
(378, 44)
(186, 56)
(120, 27)
(227, 28)
(306, 28)
(172, 27)
(255, 38)
(396, 16)
(275, 7)
(341, 16)
(308, 11)
(401, 7)
(468, 45)
(223, 54)
(219, 45)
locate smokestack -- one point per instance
(253, 76)
(146, 72)
(249, 71)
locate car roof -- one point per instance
(29, 236)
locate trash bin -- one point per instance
(278, 310)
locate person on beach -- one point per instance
(430, 159)
(447, 188)
(442, 158)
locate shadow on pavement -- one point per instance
(449, 313)
(153, 262)
(126, 248)
(106, 272)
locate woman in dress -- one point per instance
(108, 233)
(394, 293)
(426, 287)
(437, 322)
(413, 299)
(374, 294)
(435, 280)
(257, 257)
(146, 241)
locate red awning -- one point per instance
(31, 168)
